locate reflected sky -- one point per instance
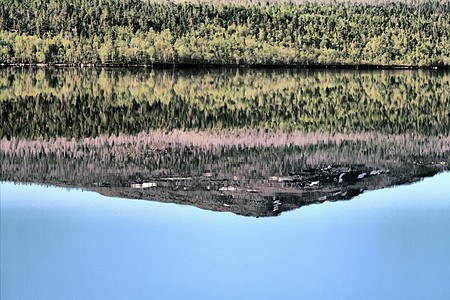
(72, 244)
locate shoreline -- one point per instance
(244, 66)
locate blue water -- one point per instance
(71, 244)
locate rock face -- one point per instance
(258, 179)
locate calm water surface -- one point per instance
(266, 184)
(70, 244)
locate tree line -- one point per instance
(149, 33)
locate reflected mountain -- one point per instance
(255, 142)
(247, 172)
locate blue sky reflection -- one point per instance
(72, 244)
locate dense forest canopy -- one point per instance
(285, 33)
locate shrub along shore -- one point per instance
(146, 33)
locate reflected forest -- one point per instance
(255, 142)
(80, 103)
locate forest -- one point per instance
(135, 32)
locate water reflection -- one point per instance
(63, 244)
(90, 102)
(254, 173)
(253, 142)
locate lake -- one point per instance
(224, 183)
